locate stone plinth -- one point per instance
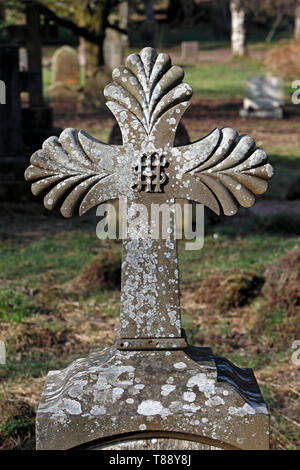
(115, 396)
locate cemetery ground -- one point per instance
(240, 294)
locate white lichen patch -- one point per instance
(241, 411)
(215, 401)
(189, 396)
(205, 384)
(167, 389)
(72, 407)
(180, 365)
(98, 410)
(152, 408)
(117, 393)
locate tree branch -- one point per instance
(117, 28)
(77, 30)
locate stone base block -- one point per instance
(276, 113)
(116, 397)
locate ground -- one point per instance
(227, 289)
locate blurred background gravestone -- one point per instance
(113, 48)
(63, 91)
(189, 51)
(65, 66)
(264, 97)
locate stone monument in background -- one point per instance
(151, 383)
(113, 48)
(63, 91)
(264, 97)
(65, 66)
(189, 51)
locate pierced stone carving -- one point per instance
(150, 173)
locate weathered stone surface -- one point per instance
(138, 386)
(264, 97)
(187, 395)
(65, 66)
(181, 136)
(160, 443)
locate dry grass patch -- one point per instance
(229, 289)
(99, 273)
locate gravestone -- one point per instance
(189, 51)
(264, 97)
(113, 48)
(11, 142)
(63, 91)
(151, 384)
(65, 66)
(23, 59)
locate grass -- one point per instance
(15, 306)
(286, 162)
(245, 251)
(222, 80)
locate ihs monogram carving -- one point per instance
(150, 173)
(222, 171)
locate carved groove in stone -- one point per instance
(234, 172)
(222, 170)
(65, 170)
(148, 86)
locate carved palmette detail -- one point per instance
(67, 171)
(148, 85)
(222, 170)
(235, 171)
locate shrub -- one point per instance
(284, 59)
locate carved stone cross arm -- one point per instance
(222, 171)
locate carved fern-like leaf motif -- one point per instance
(222, 170)
(148, 85)
(234, 172)
(65, 171)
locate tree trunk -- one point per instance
(297, 20)
(238, 30)
(123, 20)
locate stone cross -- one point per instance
(222, 171)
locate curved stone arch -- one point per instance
(156, 440)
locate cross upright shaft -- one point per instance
(150, 306)
(221, 171)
